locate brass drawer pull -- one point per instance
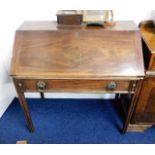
(41, 85)
(112, 86)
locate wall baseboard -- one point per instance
(7, 94)
(72, 95)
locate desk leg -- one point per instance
(42, 95)
(117, 97)
(24, 105)
(132, 106)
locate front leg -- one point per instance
(24, 104)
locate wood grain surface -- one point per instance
(77, 53)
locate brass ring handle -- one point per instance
(111, 86)
(41, 85)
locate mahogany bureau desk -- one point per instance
(52, 58)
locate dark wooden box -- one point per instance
(69, 17)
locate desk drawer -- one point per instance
(74, 85)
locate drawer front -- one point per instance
(74, 85)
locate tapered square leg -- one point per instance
(24, 105)
(42, 95)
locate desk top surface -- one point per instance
(52, 26)
(42, 49)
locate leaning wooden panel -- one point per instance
(147, 29)
(145, 110)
